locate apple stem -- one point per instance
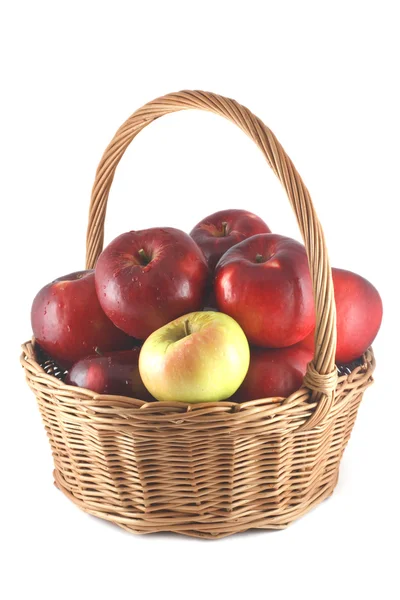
(98, 351)
(143, 256)
(187, 327)
(224, 228)
(259, 258)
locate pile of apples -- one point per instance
(226, 312)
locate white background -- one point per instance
(324, 77)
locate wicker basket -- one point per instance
(207, 470)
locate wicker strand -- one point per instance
(324, 385)
(282, 166)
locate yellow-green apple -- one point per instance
(199, 357)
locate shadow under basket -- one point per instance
(205, 470)
(201, 470)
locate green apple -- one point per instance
(199, 357)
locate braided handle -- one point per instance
(321, 376)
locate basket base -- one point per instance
(196, 529)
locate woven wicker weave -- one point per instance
(213, 469)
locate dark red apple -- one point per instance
(69, 323)
(114, 373)
(222, 230)
(274, 372)
(264, 284)
(145, 279)
(358, 315)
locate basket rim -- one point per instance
(126, 406)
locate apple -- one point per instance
(145, 279)
(274, 372)
(222, 230)
(199, 357)
(114, 373)
(264, 284)
(358, 315)
(69, 323)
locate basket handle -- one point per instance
(321, 376)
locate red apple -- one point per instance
(264, 284)
(69, 323)
(114, 373)
(145, 279)
(274, 372)
(222, 230)
(358, 315)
